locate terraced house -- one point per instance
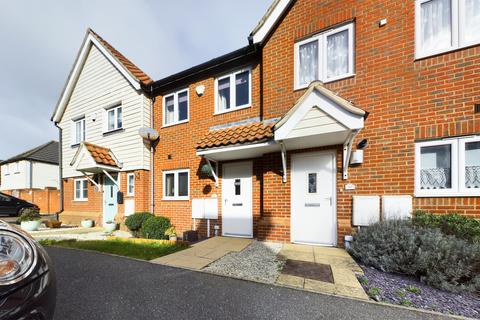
(335, 114)
(105, 163)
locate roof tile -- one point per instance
(240, 134)
(101, 155)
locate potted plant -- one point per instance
(110, 226)
(171, 233)
(54, 224)
(86, 223)
(30, 219)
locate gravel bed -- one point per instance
(408, 291)
(257, 262)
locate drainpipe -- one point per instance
(152, 162)
(60, 167)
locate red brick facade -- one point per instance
(407, 100)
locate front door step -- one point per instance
(309, 270)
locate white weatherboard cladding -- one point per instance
(99, 86)
(44, 175)
(315, 122)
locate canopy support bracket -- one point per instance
(214, 173)
(284, 161)
(347, 151)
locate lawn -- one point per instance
(143, 251)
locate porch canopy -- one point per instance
(319, 118)
(92, 159)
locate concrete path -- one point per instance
(203, 253)
(76, 233)
(92, 285)
(342, 265)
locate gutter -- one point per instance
(152, 162)
(60, 171)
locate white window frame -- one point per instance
(115, 109)
(175, 179)
(457, 168)
(6, 169)
(458, 30)
(83, 130)
(175, 108)
(321, 38)
(130, 185)
(16, 168)
(81, 193)
(233, 91)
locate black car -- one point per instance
(12, 206)
(27, 279)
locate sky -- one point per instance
(39, 41)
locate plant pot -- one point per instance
(173, 238)
(110, 227)
(87, 223)
(30, 225)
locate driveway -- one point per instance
(98, 286)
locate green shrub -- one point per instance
(454, 224)
(134, 222)
(29, 214)
(155, 227)
(439, 260)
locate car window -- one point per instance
(4, 198)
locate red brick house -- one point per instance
(335, 114)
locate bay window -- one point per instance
(326, 56)
(443, 25)
(449, 167)
(233, 91)
(176, 184)
(176, 108)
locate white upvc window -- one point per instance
(233, 91)
(6, 169)
(176, 184)
(80, 189)
(131, 184)
(15, 168)
(176, 107)
(327, 56)
(444, 25)
(113, 119)
(78, 131)
(449, 167)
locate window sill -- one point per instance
(107, 133)
(448, 194)
(175, 123)
(343, 77)
(130, 195)
(432, 54)
(80, 200)
(175, 198)
(232, 110)
(75, 145)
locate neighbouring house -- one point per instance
(105, 163)
(33, 176)
(336, 114)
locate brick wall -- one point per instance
(408, 99)
(75, 211)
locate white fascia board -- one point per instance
(260, 34)
(234, 148)
(72, 80)
(316, 99)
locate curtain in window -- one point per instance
(182, 106)
(169, 110)
(435, 171)
(224, 94)
(436, 24)
(78, 190)
(183, 184)
(308, 63)
(472, 165)
(242, 93)
(111, 119)
(78, 132)
(170, 185)
(472, 20)
(85, 189)
(337, 54)
(119, 118)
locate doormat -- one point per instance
(309, 270)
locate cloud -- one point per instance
(40, 40)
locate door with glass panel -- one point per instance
(237, 217)
(110, 206)
(313, 219)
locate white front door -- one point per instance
(237, 217)
(313, 218)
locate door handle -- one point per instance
(310, 204)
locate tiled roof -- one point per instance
(47, 153)
(252, 132)
(101, 155)
(133, 69)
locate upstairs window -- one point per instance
(175, 108)
(114, 118)
(233, 91)
(78, 131)
(443, 25)
(326, 56)
(448, 167)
